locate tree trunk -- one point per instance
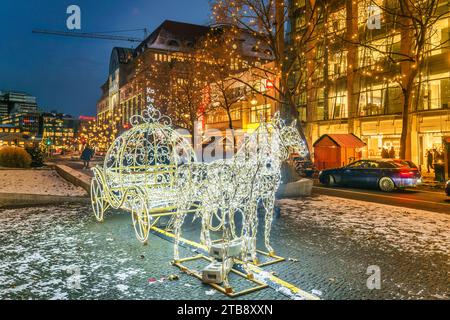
(405, 123)
(230, 120)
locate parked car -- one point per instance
(405, 163)
(447, 188)
(386, 175)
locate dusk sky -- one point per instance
(65, 73)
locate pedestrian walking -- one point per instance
(86, 156)
(384, 153)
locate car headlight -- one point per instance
(320, 172)
(448, 183)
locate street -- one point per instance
(435, 201)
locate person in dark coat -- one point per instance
(86, 156)
(384, 153)
(392, 153)
(429, 160)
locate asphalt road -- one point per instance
(435, 201)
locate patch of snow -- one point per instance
(409, 230)
(31, 181)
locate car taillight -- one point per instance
(406, 173)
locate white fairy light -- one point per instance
(153, 168)
(140, 169)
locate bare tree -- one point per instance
(413, 22)
(265, 20)
(178, 86)
(219, 54)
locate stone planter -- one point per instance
(299, 188)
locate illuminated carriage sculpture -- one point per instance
(140, 170)
(151, 171)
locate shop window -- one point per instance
(257, 111)
(434, 94)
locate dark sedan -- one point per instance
(447, 188)
(384, 174)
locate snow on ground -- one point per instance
(406, 229)
(45, 250)
(32, 181)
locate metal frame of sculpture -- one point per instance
(152, 171)
(238, 186)
(140, 171)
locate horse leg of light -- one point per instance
(254, 229)
(205, 238)
(226, 266)
(269, 204)
(177, 230)
(232, 222)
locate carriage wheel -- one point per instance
(141, 220)
(98, 204)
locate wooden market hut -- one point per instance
(336, 150)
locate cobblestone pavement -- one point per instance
(330, 243)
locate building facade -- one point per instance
(124, 94)
(58, 130)
(165, 62)
(19, 118)
(354, 83)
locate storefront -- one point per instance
(432, 131)
(379, 135)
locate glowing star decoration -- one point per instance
(140, 171)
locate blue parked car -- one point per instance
(386, 175)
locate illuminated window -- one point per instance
(435, 92)
(257, 111)
(337, 64)
(338, 108)
(337, 21)
(373, 52)
(439, 36)
(369, 8)
(371, 100)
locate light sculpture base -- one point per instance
(228, 290)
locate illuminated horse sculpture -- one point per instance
(237, 186)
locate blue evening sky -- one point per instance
(65, 73)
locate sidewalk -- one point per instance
(428, 182)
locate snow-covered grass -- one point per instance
(406, 229)
(45, 182)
